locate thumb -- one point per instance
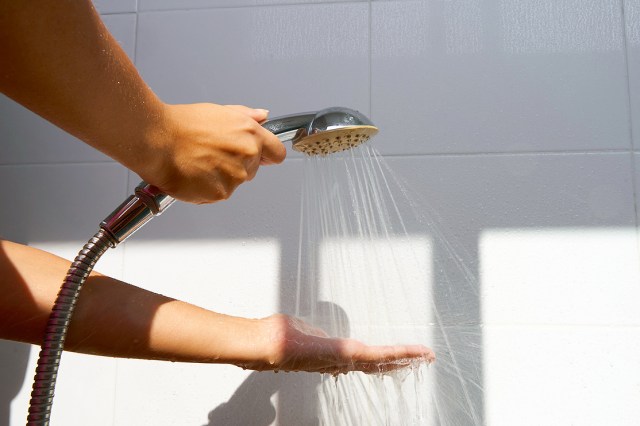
(259, 115)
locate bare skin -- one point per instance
(58, 59)
(113, 318)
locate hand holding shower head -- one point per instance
(314, 133)
(325, 132)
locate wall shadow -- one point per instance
(14, 356)
(496, 192)
(251, 403)
(14, 359)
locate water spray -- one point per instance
(319, 133)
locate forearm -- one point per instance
(58, 59)
(113, 318)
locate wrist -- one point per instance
(152, 157)
(260, 350)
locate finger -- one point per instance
(373, 359)
(273, 150)
(395, 353)
(257, 114)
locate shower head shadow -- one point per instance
(324, 132)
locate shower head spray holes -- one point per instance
(335, 140)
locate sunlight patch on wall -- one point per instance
(560, 276)
(560, 308)
(236, 277)
(380, 283)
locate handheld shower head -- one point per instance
(314, 133)
(324, 132)
(321, 133)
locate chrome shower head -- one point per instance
(324, 132)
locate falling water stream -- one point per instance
(376, 265)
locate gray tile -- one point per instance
(123, 28)
(146, 5)
(57, 203)
(470, 205)
(473, 76)
(522, 191)
(286, 59)
(28, 138)
(632, 18)
(115, 6)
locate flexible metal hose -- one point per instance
(57, 325)
(147, 202)
(130, 216)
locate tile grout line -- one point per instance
(507, 154)
(370, 59)
(62, 163)
(634, 171)
(249, 6)
(393, 155)
(625, 48)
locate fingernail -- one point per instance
(265, 111)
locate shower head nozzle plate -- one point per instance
(330, 141)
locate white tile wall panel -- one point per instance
(145, 5)
(237, 257)
(523, 191)
(115, 6)
(473, 77)
(16, 372)
(560, 276)
(123, 29)
(84, 390)
(58, 203)
(286, 59)
(28, 138)
(158, 393)
(632, 20)
(57, 208)
(561, 375)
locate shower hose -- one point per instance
(147, 202)
(131, 215)
(49, 359)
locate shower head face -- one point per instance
(334, 130)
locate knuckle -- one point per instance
(251, 150)
(241, 176)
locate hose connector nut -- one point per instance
(147, 202)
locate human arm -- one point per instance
(58, 59)
(113, 318)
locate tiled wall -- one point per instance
(518, 121)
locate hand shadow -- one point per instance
(251, 403)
